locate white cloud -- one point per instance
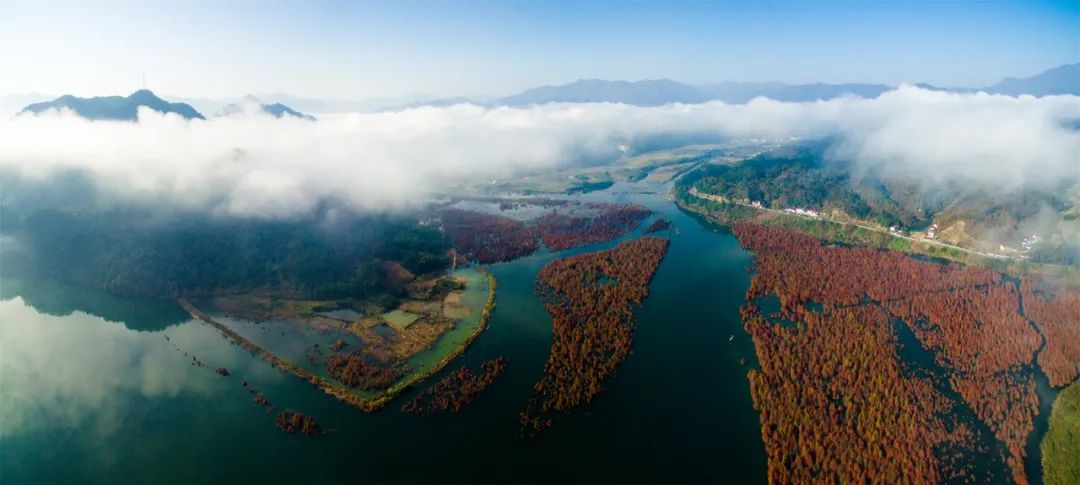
(260, 165)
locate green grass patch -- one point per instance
(399, 319)
(898, 244)
(1061, 446)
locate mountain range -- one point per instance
(250, 103)
(1062, 80)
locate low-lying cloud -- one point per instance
(268, 167)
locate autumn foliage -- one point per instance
(968, 318)
(658, 225)
(292, 422)
(836, 408)
(591, 298)
(490, 238)
(560, 231)
(1056, 312)
(455, 390)
(354, 370)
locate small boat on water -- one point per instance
(732, 337)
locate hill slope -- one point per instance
(1059, 80)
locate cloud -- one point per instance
(263, 166)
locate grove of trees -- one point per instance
(292, 422)
(488, 238)
(455, 390)
(968, 318)
(354, 370)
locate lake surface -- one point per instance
(100, 389)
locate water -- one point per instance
(92, 391)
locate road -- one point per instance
(716, 198)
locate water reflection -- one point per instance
(54, 298)
(80, 371)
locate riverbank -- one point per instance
(727, 213)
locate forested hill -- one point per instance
(121, 253)
(802, 176)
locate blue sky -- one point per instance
(358, 50)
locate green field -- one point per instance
(399, 319)
(1061, 446)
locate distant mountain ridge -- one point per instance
(1061, 80)
(1057, 81)
(115, 107)
(641, 93)
(275, 109)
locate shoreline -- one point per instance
(848, 234)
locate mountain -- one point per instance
(664, 91)
(1059, 80)
(250, 103)
(640, 93)
(742, 92)
(115, 107)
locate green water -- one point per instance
(98, 389)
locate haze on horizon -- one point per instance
(362, 50)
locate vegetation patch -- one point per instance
(294, 422)
(455, 390)
(1055, 310)
(1061, 445)
(593, 324)
(489, 238)
(968, 318)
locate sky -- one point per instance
(364, 50)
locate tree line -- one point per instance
(131, 253)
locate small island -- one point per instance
(377, 347)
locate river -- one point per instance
(101, 389)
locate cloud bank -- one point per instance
(267, 167)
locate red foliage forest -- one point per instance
(354, 370)
(560, 231)
(591, 298)
(455, 390)
(1056, 312)
(968, 318)
(291, 422)
(835, 407)
(490, 238)
(658, 225)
